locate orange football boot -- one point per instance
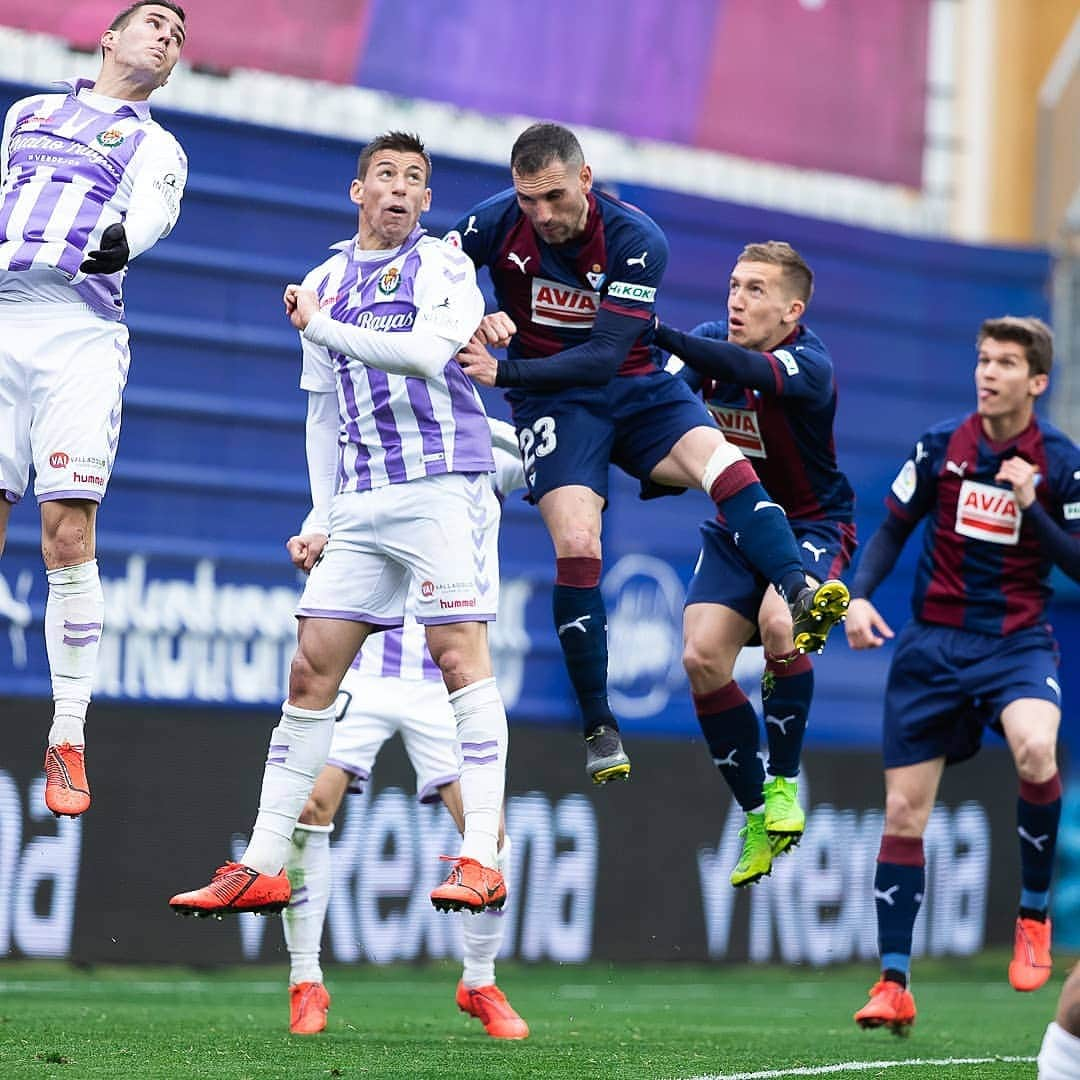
(235, 888)
(890, 1005)
(489, 1005)
(66, 789)
(1031, 965)
(308, 1005)
(469, 886)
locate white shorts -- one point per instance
(371, 709)
(62, 376)
(437, 535)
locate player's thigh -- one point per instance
(16, 411)
(430, 737)
(826, 547)
(662, 430)
(444, 531)
(356, 579)
(76, 389)
(713, 636)
(722, 579)
(325, 648)
(565, 440)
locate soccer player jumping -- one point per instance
(88, 181)
(399, 452)
(576, 274)
(1001, 492)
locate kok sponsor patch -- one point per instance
(627, 290)
(555, 304)
(740, 428)
(984, 512)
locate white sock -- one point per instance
(308, 867)
(74, 612)
(482, 935)
(482, 738)
(1059, 1056)
(299, 746)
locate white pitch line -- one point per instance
(857, 1066)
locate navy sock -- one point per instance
(760, 527)
(1038, 811)
(730, 727)
(899, 884)
(786, 700)
(581, 624)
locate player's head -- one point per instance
(391, 188)
(768, 291)
(143, 42)
(552, 181)
(1015, 355)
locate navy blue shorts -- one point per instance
(572, 436)
(946, 685)
(724, 575)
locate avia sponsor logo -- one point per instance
(818, 905)
(88, 478)
(397, 320)
(626, 290)
(59, 460)
(385, 853)
(985, 512)
(556, 304)
(455, 605)
(740, 428)
(644, 599)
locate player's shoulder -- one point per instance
(628, 226)
(1058, 444)
(935, 439)
(162, 138)
(334, 262)
(440, 251)
(808, 344)
(36, 107)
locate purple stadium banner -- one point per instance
(837, 85)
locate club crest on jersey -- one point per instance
(740, 428)
(596, 276)
(110, 138)
(390, 282)
(985, 512)
(556, 304)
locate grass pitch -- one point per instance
(587, 1021)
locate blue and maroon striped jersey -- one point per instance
(981, 566)
(553, 292)
(787, 433)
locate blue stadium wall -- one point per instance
(210, 478)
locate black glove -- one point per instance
(111, 256)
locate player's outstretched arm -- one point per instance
(721, 361)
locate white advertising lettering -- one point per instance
(740, 428)
(627, 290)
(985, 512)
(556, 304)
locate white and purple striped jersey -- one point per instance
(396, 428)
(72, 164)
(401, 653)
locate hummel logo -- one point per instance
(576, 624)
(764, 505)
(951, 466)
(1035, 841)
(639, 261)
(518, 261)
(888, 896)
(780, 721)
(815, 551)
(729, 760)
(471, 227)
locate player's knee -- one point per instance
(303, 678)
(1036, 756)
(775, 628)
(66, 540)
(578, 543)
(706, 668)
(903, 815)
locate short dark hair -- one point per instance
(402, 141)
(1033, 334)
(124, 17)
(796, 271)
(541, 144)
